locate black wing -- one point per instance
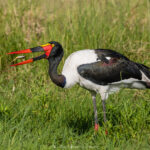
(104, 72)
(101, 53)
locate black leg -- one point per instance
(104, 110)
(95, 111)
(104, 96)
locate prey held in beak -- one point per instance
(43, 48)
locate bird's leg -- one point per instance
(104, 96)
(104, 110)
(95, 111)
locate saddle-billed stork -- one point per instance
(101, 71)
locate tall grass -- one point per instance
(34, 113)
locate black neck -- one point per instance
(59, 80)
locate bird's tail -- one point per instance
(145, 73)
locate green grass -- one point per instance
(34, 113)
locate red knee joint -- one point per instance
(96, 127)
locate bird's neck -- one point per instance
(58, 79)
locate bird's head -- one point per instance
(51, 49)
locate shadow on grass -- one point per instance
(80, 125)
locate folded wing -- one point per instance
(116, 69)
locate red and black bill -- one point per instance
(43, 48)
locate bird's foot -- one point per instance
(96, 127)
(106, 132)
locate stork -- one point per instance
(101, 71)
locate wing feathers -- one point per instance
(115, 70)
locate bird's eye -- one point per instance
(53, 45)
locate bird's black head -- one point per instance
(57, 49)
(52, 49)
